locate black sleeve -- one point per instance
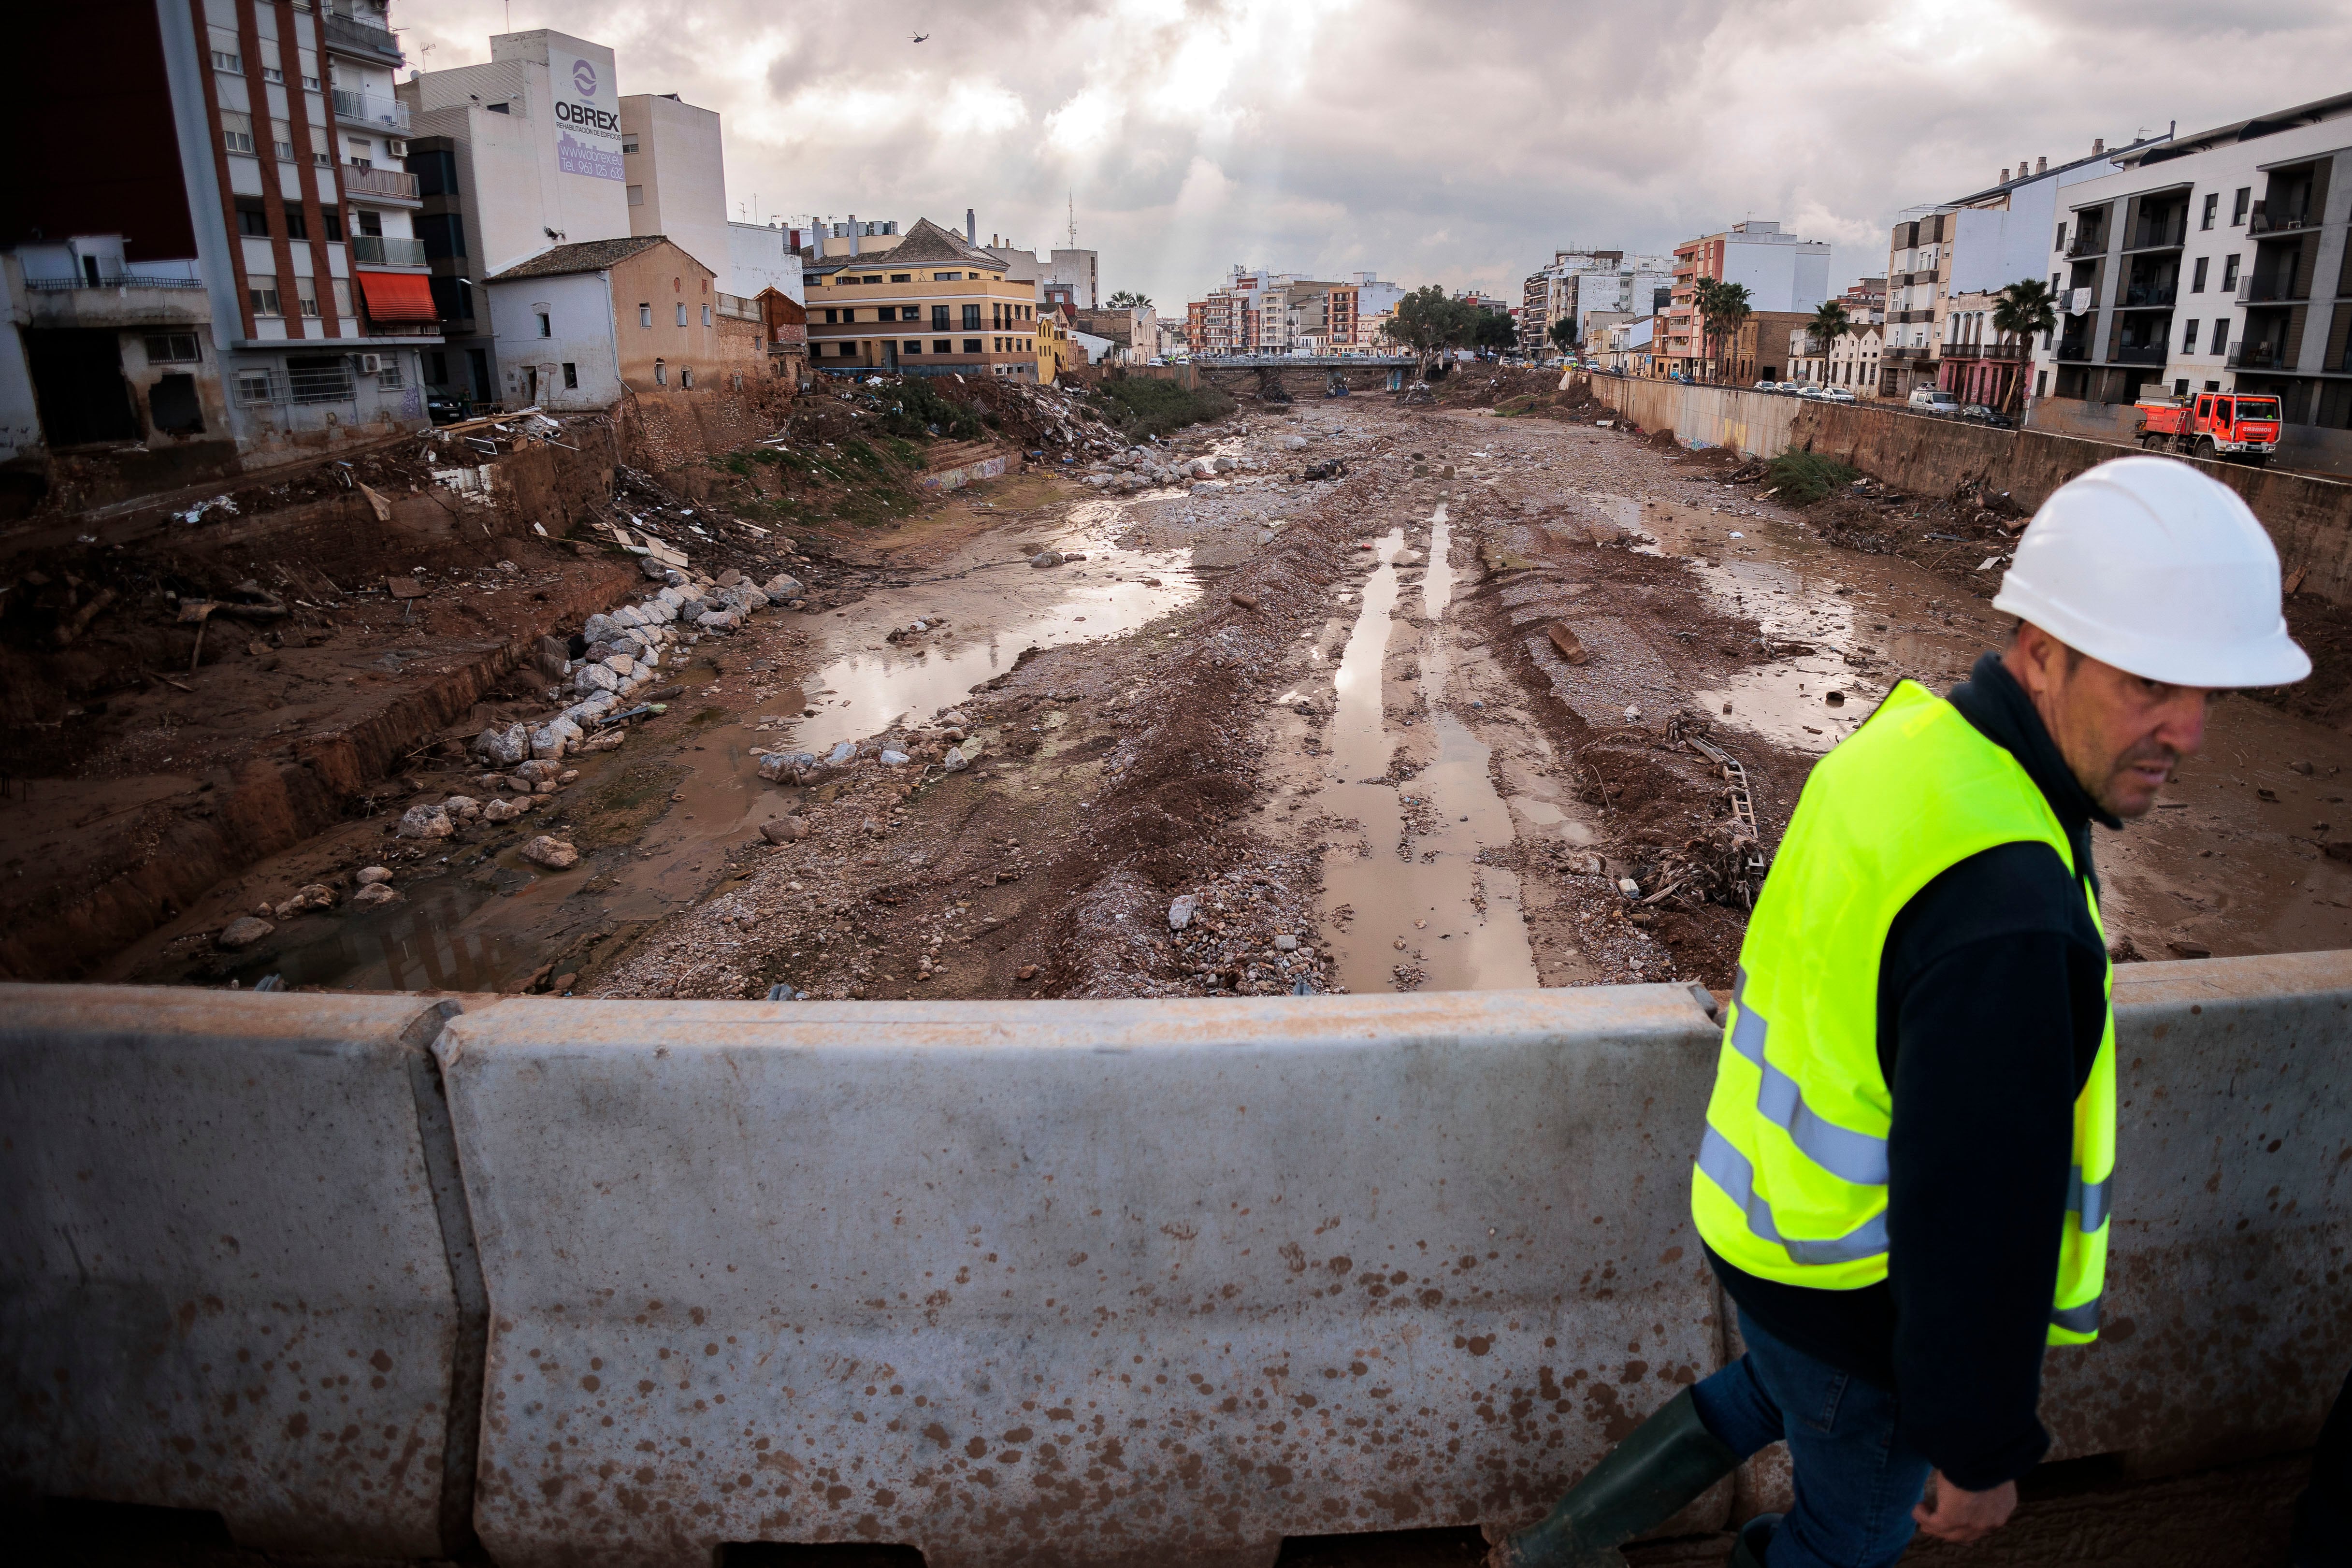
(1996, 1001)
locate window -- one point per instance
(2197, 277)
(2238, 205)
(2180, 387)
(331, 220)
(2212, 210)
(705, 315)
(661, 374)
(2229, 273)
(271, 73)
(546, 327)
(2188, 339)
(388, 378)
(342, 297)
(254, 386)
(942, 346)
(971, 323)
(949, 276)
(322, 378)
(644, 315)
(229, 61)
(939, 317)
(311, 84)
(262, 294)
(903, 278)
(500, 107)
(172, 349)
(570, 376)
(681, 312)
(443, 235)
(2221, 336)
(296, 225)
(637, 195)
(306, 295)
(911, 346)
(371, 223)
(252, 217)
(629, 144)
(686, 378)
(281, 140)
(236, 132)
(888, 313)
(971, 345)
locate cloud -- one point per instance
(1460, 143)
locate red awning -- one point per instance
(398, 296)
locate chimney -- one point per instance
(2004, 175)
(854, 248)
(2098, 145)
(970, 227)
(2040, 165)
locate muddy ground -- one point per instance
(1330, 712)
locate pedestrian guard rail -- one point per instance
(1007, 1281)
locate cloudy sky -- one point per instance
(1458, 143)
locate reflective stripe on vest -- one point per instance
(1791, 1180)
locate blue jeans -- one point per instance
(1855, 1481)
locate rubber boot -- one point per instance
(1642, 1483)
(1754, 1537)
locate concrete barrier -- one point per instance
(1112, 1283)
(226, 1242)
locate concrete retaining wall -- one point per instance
(2309, 518)
(1028, 1282)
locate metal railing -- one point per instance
(2072, 348)
(396, 184)
(319, 384)
(2139, 354)
(367, 109)
(1899, 355)
(2083, 245)
(2271, 291)
(2263, 224)
(118, 280)
(2159, 234)
(2262, 355)
(1984, 350)
(361, 37)
(1906, 316)
(2144, 296)
(387, 250)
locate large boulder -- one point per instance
(242, 932)
(503, 745)
(590, 679)
(424, 821)
(552, 852)
(628, 615)
(621, 665)
(787, 767)
(717, 620)
(601, 629)
(554, 738)
(782, 586)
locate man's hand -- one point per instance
(1961, 1516)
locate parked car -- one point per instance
(1978, 414)
(1815, 394)
(1934, 400)
(1837, 395)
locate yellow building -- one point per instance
(932, 305)
(1055, 350)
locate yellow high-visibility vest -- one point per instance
(1791, 1180)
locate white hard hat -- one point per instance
(2146, 564)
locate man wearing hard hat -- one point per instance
(1904, 1177)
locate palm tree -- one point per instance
(1703, 303)
(2024, 309)
(1726, 308)
(1127, 300)
(1829, 324)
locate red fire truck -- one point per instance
(2239, 426)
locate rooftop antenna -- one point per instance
(1074, 218)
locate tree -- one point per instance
(1563, 334)
(1127, 300)
(1493, 330)
(1723, 307)
(2024, 309)
(1829, 324)
(1428, 323)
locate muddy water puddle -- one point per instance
(1414, 907)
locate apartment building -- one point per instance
(934, 304)
(512, 158)
(1780, 272)
(760, 256)
(2215, 261)
(674, 181)
(1578, 282)
(180, 265)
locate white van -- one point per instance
(1934, 400)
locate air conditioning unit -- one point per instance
(396, 147)
(370, 364)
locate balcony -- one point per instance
(371, 109)
(2253, 290)
(1916, 356)
(1905, 315)
(2150, 296)
(2163, 233)
(1984, 350)
(2263, 226)
(382, 184)
(354, 37)
(2140, 354)
(2263, 355)
(2075, 348)
(117, 302)
(387, 250)
(2083, 245)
